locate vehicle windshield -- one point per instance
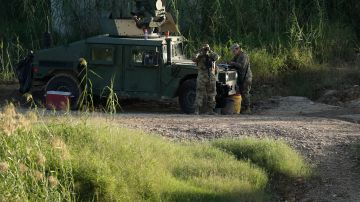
(178, 51)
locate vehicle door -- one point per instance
(142, 70)
(102, 67)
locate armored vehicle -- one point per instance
(137, 65)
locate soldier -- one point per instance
(206, 80)
(241, 63)
(145, 15)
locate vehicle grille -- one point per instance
(231, 76)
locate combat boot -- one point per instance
(246, 111)
(211, 111)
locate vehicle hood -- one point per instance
(185, 64)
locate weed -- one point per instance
(112, 101)
(86, 100)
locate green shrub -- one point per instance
(274, 156)
(299, 59)
(264, 65)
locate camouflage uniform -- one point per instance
(244, 81)
(206, 80)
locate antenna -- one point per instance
(48, 24)
(47, 38)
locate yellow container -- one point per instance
(237, 103)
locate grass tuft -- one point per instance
(276, 157)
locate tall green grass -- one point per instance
(86, 99)
(112, 101)
(64, 159)
(271, 25)
(22, 25)
(10, 52)
(282, 37)
(31, 168)
(328, 28)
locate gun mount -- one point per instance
(147, 15)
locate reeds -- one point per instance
(112, 99)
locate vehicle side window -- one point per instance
(102, 55)
(145, 57)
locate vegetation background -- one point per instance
(296, 47)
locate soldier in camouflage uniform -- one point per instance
(206, 80)
(241, 63)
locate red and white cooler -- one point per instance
(58, 100)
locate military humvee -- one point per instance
(139, 66)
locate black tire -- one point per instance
(67, 83)
(187, 95)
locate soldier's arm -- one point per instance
(241, 62)
(196, 57)
(214, 56)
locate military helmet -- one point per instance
(235, 46)
(206, 47)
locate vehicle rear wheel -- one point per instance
(187, 95)
(66, 83)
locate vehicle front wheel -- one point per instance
(187, 95)
(66, 83)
